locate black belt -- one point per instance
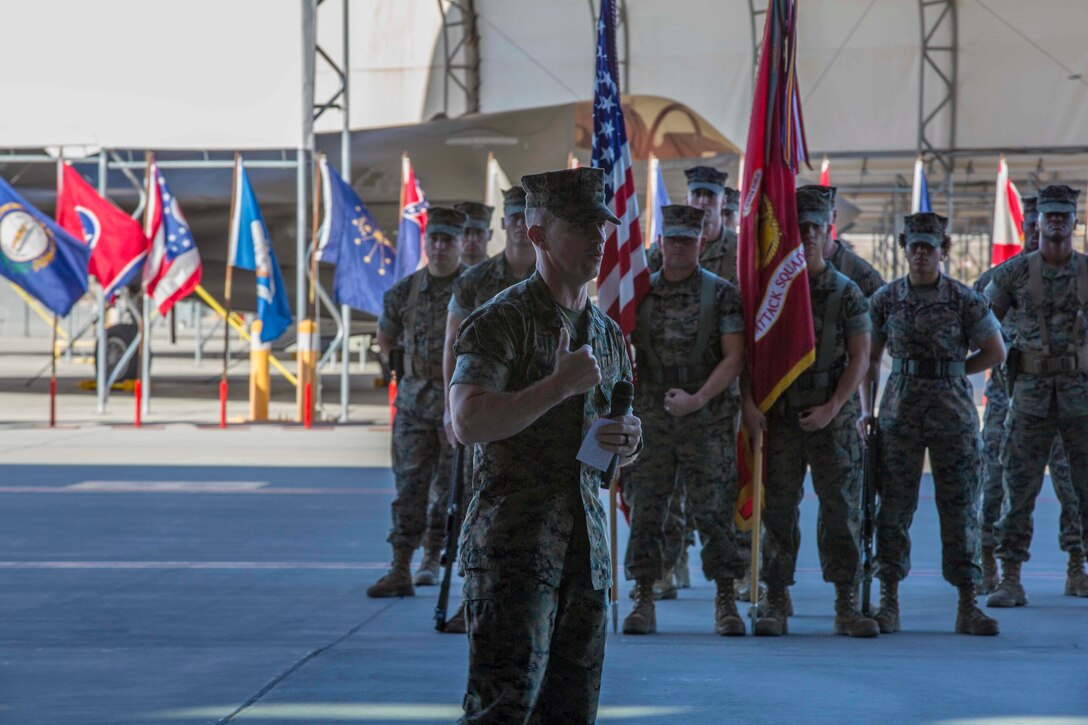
(1034, 363)
(919, 368)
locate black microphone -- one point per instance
(623, 398)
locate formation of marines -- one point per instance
(510, 358)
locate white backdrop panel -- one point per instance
(151, 73)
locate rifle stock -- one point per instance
(453, 530)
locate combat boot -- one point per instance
(848, 620)
(1009, 593)
(1076, 581)
(664, 588)
(990, 578)
(970, 619)
(456, 623)
(642, 619)
(774, 622)
(887, 617)
(398, 580)
(727, 621)
(681, 574)
(427, 573)
(761, 607)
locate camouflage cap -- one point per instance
(925, 227)
(706, 177)
(1058, 198)
(513, 201)
(444, 220)
(679, 220)
(1031, 209)
(574, 195)
(479, 215)
(815, 204)
(731, 199)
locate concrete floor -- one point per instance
(183, 574)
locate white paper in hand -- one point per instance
(591, 453)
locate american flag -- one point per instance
(173, 267)
(624, 277)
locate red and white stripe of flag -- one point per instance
(624, 278)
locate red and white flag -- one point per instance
(173, 268)
(118, 245)
(624, 278)
(1008, 237)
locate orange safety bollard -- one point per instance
(223, 403)
(308, 395)
(139, 392)
(392, 401)
(260, 382)
(308, 346)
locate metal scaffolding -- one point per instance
(461, 47)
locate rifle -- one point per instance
(453, 530)
(869, 485)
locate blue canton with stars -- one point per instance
(178, 237)
(609, 131)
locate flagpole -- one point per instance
(345, 170)
(651, 199)
(145, 348)
(308, 333)
(100, 323)
(757, 524)
(53, 346)
(613, 494)
(223, 384)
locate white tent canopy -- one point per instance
(214, 74)
(1019, 65)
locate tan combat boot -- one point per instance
(1076, 580)
(456, 623)
(774, 622)
(762, 605)
(742, 590)
(642, 619)
(1009, 593)
(664, 588)
(427, 573)
(990, 578)
(848, 620)
(727, 621)
(398, 581)
(887, 617)
(970, 619)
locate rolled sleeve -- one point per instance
(484, 349)
(877, 316)
(983, 329)
(480, 370)
(998, 295)
(730, 312)
(857, 312)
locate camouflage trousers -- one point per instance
(1070, 534)
(422, 464)
(682, 455)
(535, 651)
(953, 443)
(1027, 447)
(680, 527)
(833, 455)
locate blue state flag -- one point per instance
(251, 249)
(351, 239)
(40, 256)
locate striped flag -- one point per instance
(624, 277)
(657, 196)
(413, 223)
(173, 268)
(919, 193)
(1008, 237)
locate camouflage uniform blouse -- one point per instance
(529, 486)
(673, 327)
(941, 322)
(1009, 287)
(420, 396)
(719, 256)
(860, 272)
(480, 283)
